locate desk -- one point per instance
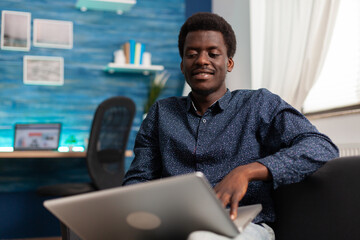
(27, 170)
(49, 154)
(50, 238)
(22, 172)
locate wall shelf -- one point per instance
(132, 68)
(119, 6)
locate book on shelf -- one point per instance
(139, 50)
(126, 48)
(133, 52)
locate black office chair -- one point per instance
(106, 150)
(105, 153)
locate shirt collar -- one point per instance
(221, 103)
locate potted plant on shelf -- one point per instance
(156, 87)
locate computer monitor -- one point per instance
(37, 136)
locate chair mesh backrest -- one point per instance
(113, 127)
(108, 140)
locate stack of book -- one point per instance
(133, 52)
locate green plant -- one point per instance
(71, 140)
(156, 87)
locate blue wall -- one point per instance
(192, 6)
(97, 34)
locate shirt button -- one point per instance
(204, 120)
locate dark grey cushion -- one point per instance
(326, 205)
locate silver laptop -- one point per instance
(37, 136)
(170, 208)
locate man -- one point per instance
(246, 142)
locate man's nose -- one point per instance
(203, 59)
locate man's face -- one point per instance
(205, 62)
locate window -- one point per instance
(338, 85)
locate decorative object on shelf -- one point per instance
(146, 59)
(132, 58)
(118, 6)
(119, 57)
(156, 87)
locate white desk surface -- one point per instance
(49, 154)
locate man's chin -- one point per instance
(202, 92)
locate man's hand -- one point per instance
(234, 185)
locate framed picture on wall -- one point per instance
(15, 30)
(43, 70)
(53, 33)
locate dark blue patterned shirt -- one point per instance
(242, 127)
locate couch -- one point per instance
(326, 205)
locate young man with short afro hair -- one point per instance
(246, 142)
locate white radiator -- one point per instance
(349, 149)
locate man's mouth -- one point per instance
(203, 72)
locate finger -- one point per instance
(218, 194)
(217, 188)
(234, 204)
(225, 199)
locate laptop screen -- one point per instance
(39, 136)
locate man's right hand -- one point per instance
(234, 185)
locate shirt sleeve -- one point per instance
(298, 148)
(146, 165)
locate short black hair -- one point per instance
(208, 21)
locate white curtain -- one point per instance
(289, 41)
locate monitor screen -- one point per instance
(37, 136)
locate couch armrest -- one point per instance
(326, 205)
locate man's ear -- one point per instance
(230, 64)
(181, 66)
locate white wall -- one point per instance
(237, 13)
(343, 129)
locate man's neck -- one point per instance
(202, 103)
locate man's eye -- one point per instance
(213, 55)
(190, 55)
